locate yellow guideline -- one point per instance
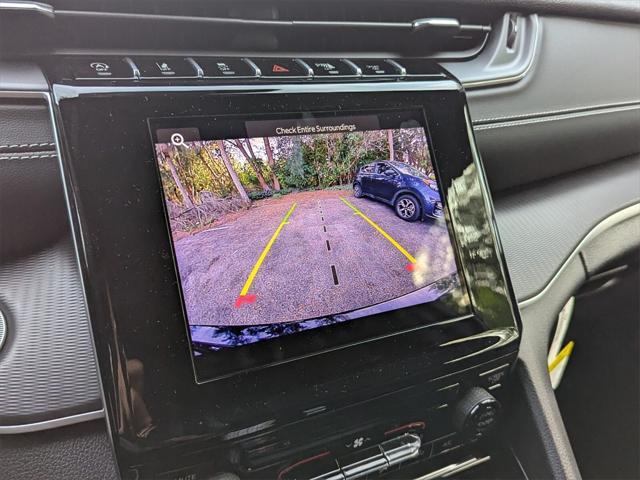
(381, 231)
(264, 253)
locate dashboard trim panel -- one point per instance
(52, 423)
(577, 113)
(609, 222)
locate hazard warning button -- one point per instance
(282, 67)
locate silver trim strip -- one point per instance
(355, 67)
(256, 70)
(448, 387)
(551, 113)
(72, 91)
(134, 67)
(503, 337)
(23, 94)
(473, 462)
(454, 468)
(492, 82)
(452, 23)
(36, 7)
(50, 424)
(303, 64)
(3, 329)
(554, 118)
(194, 64)
(609, 222)
(493, 370)
(402, 72)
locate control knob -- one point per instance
(476, 413)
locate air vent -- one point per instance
(387, 28)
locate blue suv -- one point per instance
(410, 192)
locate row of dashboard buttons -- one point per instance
(195, 68)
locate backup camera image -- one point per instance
(303, 224)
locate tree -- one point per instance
(390, 140)
(251, 160)
(295, 165)
(186, 197)
(271, 163)
(232, 173)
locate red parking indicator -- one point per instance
(242, 299)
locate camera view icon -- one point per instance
(177, 139)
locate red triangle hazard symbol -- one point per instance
(279, 69)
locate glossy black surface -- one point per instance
(159, 417)
(283, 342)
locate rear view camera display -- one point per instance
(287, 225)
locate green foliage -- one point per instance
(247, 175)
(298, 162)
(294, 171)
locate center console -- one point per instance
(291, 266)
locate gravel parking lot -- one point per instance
(326, 252)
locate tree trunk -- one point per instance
(271, 163)
(215, 180)
(251, 161)
(390, 139)
(186, 198)
(209, 167)
(232, 173)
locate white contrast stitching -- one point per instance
(525, 116)
(29, 145)
(27, 157)
(532, 121)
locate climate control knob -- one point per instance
(476, 413)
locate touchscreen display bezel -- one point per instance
(279, 349)
(131, 289)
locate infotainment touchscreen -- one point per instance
(292, 223)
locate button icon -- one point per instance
(331, 67)
(357, 442)
(282, 68)
(165, 68)
(225, 69)
(100, 68)
(326, 67)
(177, 139)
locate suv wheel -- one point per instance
(407, 208)
(357, 190)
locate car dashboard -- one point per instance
(328, 240)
